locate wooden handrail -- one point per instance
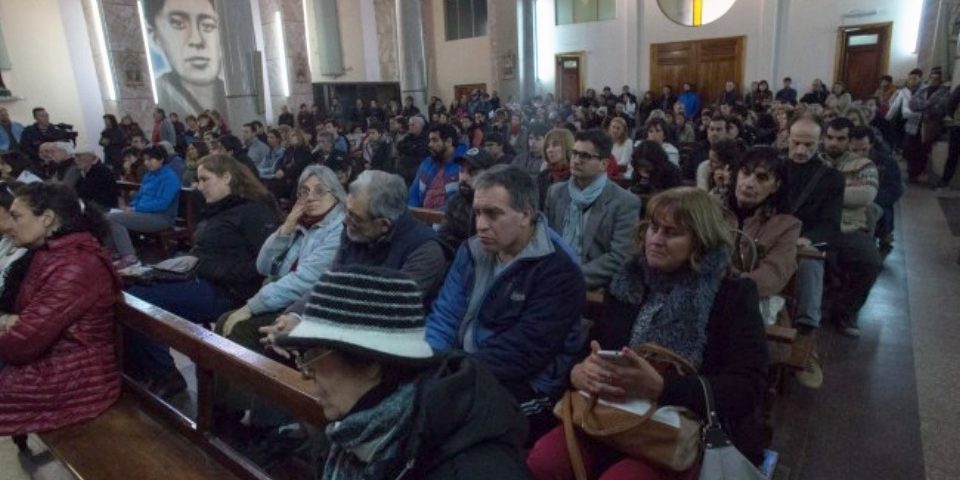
(274, 382)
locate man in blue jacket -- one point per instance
(438, 177)
(513, 296)
(153, 208)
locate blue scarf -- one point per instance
(379, 434)
(580, 201)
(674, 307)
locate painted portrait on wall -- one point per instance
(184, 37)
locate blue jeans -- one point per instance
(194, 300)
(809, 291)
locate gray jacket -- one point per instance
(608, 229)
(258, 152)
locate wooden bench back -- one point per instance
(428, 216)
(216, 356)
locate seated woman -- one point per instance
(14, 259)
(713, 174)
(397, 409)
(765, 249)
(557, 148)
(652, 171)
(195, 151)
(676, 292)
(153, 208)
(296, 156)
(294, 256)
(238, 217)
(657, 132)
(57, 360)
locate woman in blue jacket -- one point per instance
(152, 209)
(295, 255)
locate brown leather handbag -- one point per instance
(648, 436)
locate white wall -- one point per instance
(783, 38)
(351, 42)
(810, 42)
(43, 69)
(457, 62)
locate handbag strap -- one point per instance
(808, 188)
(683, 366)
(573, 448)
(713, 434)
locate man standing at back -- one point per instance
(787, 94)
(814, 194)
(513, 296)
(595, 215)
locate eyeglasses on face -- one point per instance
(585, 155)
(317, 192)
(305, 362)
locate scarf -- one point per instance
(674, 307)
(370, 444)
(580, 201)
(559, 173)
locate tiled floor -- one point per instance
(888, 408)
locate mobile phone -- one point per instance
(615, 357)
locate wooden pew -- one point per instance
(428, 216)
(145, 438)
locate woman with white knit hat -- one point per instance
(397, 409)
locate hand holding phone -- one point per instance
(615, 357)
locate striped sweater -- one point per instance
(862, 182)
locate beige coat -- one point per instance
(775, 263)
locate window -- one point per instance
(582, 11)
(465, 18)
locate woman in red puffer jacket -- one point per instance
(57, 359)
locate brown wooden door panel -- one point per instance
(461, 90)
(708, 64)
(863, 55)
(569, 68)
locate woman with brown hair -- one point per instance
(557, 145)
(296, 156)
(238, 217)
(677, 292)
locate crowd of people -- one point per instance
(438, 350)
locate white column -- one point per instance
(413, 74)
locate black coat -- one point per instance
(466, 426)
(822, 210)
(734, 361)
(98, 186)
(227, 241)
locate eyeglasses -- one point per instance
(304, 362)
(317, 192)
(585, 155)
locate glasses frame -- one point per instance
(304, 364)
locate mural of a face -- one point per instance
(188, 32)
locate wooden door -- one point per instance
(461, 90)
(708, 64)
(863, 55)
(569, 86)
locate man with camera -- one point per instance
(42, 131)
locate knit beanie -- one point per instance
(371, 311)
